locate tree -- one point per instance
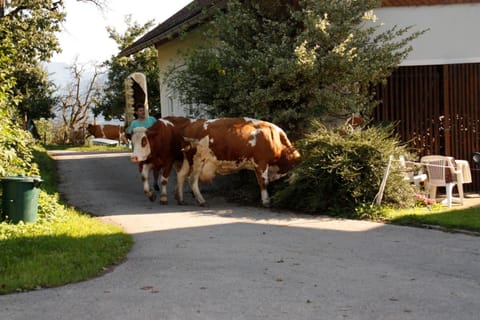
(111, 102)
(76, 103)
(290, 61)
(32, 25)
(27, 37)
(37, 92)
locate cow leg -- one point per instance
(195, 172)
(165, 175)
(146, 186)
(262, 178)
(197, 168)
(182, 173)
(156, 174)
(193, 181)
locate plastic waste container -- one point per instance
(20, 198)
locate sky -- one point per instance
(84, 34)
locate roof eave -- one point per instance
(161, 38)
(198, 15)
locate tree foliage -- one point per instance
(31, 25)
(37, 91)
(290, 61)
(15, 153)
(27, 37)
(111, 102)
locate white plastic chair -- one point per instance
(441, 172)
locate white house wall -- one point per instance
(453, 36)
(168, 56)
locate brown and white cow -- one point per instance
(159, 147)
(108, 131)
(227, 145)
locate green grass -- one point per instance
(48, 170)
(450, 219)
(63, 246)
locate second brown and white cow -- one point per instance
(108, 131)
(227, 145)
(159, 147)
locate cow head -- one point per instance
(293, 156)
(140, 144)
(290, 158)
(91, 129)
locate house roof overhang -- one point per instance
(187, 18)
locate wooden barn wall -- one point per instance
(437, 110)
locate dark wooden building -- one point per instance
(434, 96)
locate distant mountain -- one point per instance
(58, 73)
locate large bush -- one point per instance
(341, 173)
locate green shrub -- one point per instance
(341, 173)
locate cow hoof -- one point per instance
(156, 187)
(152, 197)
(179, 200)
(204, 205)
(163, 199)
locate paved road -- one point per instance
(230, 262)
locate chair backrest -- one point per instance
(439, 169)
(464, 167)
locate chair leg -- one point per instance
(460, 192)
(449, 189)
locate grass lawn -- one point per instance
(63, 246)
(443, 217)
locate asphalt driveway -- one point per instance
(232, 262)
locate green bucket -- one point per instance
(20, 198)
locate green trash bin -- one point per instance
(20, 198)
